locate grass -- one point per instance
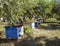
(2, 29)
(38, 41)
(55, 33)
(52, 20)
(2, 25)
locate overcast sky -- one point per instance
(57, 1)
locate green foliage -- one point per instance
(56, 10)
(12, 10)
(28, 30)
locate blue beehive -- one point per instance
(13, 32)
(36, 23)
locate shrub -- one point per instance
(28, 30)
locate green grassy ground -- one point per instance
(44, 36)
(2, 29)
(53, 30)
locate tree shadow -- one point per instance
(8, 41)
(49, 27)
(37, 42)
(30, 41)
(53, 42)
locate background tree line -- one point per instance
(16, 10)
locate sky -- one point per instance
(57, 1)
